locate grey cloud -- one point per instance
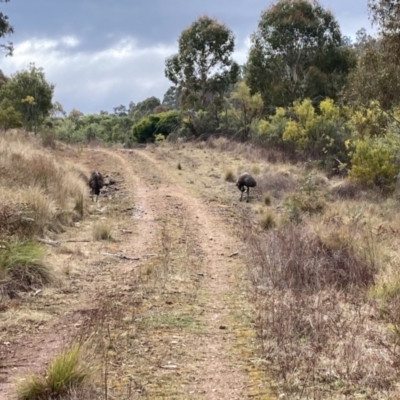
(92, 75)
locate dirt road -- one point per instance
(174, 283)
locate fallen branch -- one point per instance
(169, 366)
(48, 241)
(121, 256)
(76, 241)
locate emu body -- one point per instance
(245, 181)
(96, 182)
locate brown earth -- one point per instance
(165, 303)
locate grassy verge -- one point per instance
(313, 277)
(37, 191)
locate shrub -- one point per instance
(372, 163)
(159, 138)
(148, 127)
(270, 131)
(9, 117)
(322, 134)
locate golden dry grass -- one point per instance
(42, 189)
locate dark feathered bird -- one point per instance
(96, 182)
(245, 181)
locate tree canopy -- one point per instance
(297, 51)
(203, 66)
(5, 30)
(30, 95)
(377, 77)
(386, 15)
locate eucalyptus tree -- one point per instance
(298, 51)
(203, 69)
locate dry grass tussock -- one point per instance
(37, 192)
(68, 376)
(102, 231)
(319, 333)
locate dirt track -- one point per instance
(182, 300)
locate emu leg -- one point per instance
(242, 189)
(248, 190)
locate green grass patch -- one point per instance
(167, 321)
(23, 263)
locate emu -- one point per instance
(245, 181)
(96, 182)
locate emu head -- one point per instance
(241, 188)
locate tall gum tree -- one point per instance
(30, 94)
(5, 30)
(385, 14)
(203, 68)
(297, 51)
(377, 76)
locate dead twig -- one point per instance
(48, 241)
(76, 241)
(121, 256)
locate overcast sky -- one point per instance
(100, 54)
